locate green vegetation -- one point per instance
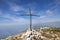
(55, 29)
(52, 29)
(49, 31)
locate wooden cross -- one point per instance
(30, 14)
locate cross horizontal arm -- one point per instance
(36, 15)
(29, 15)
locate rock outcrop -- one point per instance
(41, 34)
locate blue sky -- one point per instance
(10, 10)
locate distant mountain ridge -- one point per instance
(49, 24)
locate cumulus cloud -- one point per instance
(13, 19)
(49, 12)
(42, 16)
(55, 5)
(13, 6)
(17, 8)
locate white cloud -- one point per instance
(42, 16)
(17, 8)
(54, 5)
(13, 19)
(49, 12)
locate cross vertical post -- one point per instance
(30, 20)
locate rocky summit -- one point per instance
(31, 35)
(39, 34)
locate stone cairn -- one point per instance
(32, 35)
